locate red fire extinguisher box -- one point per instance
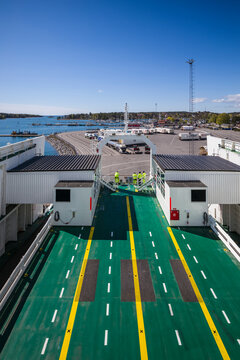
(174, 214)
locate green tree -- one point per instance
(212, 118)
(223, 119)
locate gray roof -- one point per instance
(59, 163)
(194, 163)
(186, 184)
(74, 184)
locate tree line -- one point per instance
(224, 118)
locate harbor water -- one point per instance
(44, 125)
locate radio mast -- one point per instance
(126, 118)
(190, 62)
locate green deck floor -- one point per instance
(41, 291)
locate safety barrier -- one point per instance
(22, 266)
(107, 184)
(147, 183)
(226, 239)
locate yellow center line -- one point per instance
(204, 308)
(71, 319)
(141, 329)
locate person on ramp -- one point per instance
(134, 176)
(117, 178)
(144, 177)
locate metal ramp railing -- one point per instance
(147, 183)
(107, 184)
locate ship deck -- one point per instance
(127, 288)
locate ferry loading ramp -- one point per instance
(129, 287)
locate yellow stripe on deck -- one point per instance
(204, 308)
(141, 329)
(75, 303)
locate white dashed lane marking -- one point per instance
(178, 338)
(226, 317)
(238, 340)
(111, 234)
(109, 270)
(79, 236)
(170, 309)
(109, 287)
(189, 247)
(215, 296)
(61, 293)
(107, 310)
(54, 316)
(156, 256)
(67, 275)
(44, 346)
(183, 236)
(150, 233)
(110, 256)
(195, 259)
(153, 244)
(203, 274)
(76, 246)
(165, 288)
(72, 259)
(111, 244)
(160, 270)
(106, 338)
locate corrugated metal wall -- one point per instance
(37, 187)
(223, 187)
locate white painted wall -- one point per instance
(14, 159)
(80, 204)
(181, 200)
(164, 202)
(229, 214)
(223, 187)
(37, 187)
(214, 149)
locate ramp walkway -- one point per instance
(129, 287)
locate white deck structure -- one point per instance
(227, 213)
(29, 180)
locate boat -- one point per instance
(23, 133)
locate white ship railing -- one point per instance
(11, 149)
(226, 239)
(23, 264)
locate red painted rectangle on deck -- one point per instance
(90, 203)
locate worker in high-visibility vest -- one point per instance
(134, 176)
(139, 178)
(116, 177)
(144, 177)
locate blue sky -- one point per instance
(58, 57)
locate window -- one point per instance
(198, 195)
(161, 181)
(63, 195)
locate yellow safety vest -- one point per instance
(116, 174)
(144, 175)
(139, 176)
(134, 176)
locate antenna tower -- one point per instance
(126, 118)
(190, 62)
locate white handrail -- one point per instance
(21, 267)
(226, 239)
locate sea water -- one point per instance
(26, 124)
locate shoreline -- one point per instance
(63, 147)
